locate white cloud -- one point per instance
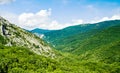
(13, 18)
(6, 1)
(114, 17)
(56, 25)
(42, 19)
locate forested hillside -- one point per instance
(96, 50)
(21, 60)
(57, 35)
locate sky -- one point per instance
(58, 14)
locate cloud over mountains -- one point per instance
(38, 19)
(58, 14)
(42, 19)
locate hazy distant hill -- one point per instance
(40, 31)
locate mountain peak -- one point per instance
(15, 36)
(2, 19)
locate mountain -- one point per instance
(86, 30)
(81, 43)
(93, 51)
(12, 35)
(24, 52)
(40, 31)
(101, 50)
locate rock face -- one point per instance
(15, 36)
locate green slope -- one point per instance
(94, 51)
(82, 37)
(21, 60)
(83, 42)
(103, 59)
(57, 35)
(100, 39)
(102, 51)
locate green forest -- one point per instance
(21, 60)
(92, 51)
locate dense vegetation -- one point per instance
(57, 35)
(98, 47)
(95, 51)
(90, 40)
(21, 60)
(2, 40)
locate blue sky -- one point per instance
(57, 14)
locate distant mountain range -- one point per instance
(40, 31)
(53, 36)
(71, 39)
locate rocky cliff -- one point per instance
(16, 36)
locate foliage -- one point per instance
(2, 40)
(58, 35)
(21, 60)
(95, 51)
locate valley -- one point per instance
(89, 48)
(59, 36)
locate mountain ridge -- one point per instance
(54, 36)
(15, 36)
(40, 31)
(96, 51)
